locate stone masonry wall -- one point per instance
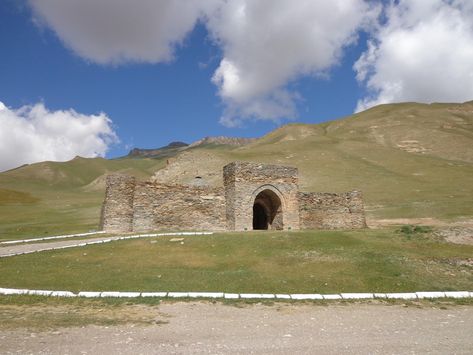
(331, 210)
(176, 207)
(243, 181)
(117, 209)
(138, 206)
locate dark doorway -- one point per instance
(260, 218)
(267, 211)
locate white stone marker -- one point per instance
(89, 294)
(282, 296)
(154, 294)
(40, 292)
(110, 294)
(256, 295)
(332, 297)
(129, 294)
(13, 291)
(306, 296)
(178, 294)
(63, 294)
(403, 296)
(430, 294)
(206, 294)
(457, 294)
(356, 296)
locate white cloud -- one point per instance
(269, 43)
(32, 133)
(119, 31)
(266, 44)
(423, 53)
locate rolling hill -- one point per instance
(410, 161)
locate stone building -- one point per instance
(254, 196)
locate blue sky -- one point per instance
(151, 98)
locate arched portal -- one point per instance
(267, 211)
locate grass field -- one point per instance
(266, 262)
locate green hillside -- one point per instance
(410, 160)
(53, 197)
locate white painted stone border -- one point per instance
(39, 239)
(111, 239)
(245, 296)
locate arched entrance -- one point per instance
(267, 211)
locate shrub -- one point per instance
(410, 230)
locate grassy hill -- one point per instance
(410, 160)
(53, 197)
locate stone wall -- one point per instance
(244, 181)
(331, 210)
(254, 195)
(117, 209)
(176, 207)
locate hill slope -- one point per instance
(410, 160)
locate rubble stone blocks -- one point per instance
(267, 194)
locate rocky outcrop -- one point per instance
(222, 140)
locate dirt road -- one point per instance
(199, 327)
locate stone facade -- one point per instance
(255, 196)
(322, 210)
(272, 187)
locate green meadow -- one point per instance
(255, 262)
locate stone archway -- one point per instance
(267, 211)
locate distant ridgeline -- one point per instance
(171, 147)
(255, 196)
(175, 147)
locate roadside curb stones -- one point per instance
(256, 296)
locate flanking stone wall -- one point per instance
(243, 181)
(176, 207)
(117, 210)
(331, 210)
(140, 206)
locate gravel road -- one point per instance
(201, 327)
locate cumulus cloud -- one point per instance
(119, 31)
(423, 53)
(266, 44)
(33, 133)
(269, 43)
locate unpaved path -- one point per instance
(285, 329)
(30, 247)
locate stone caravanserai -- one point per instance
(254, 196)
